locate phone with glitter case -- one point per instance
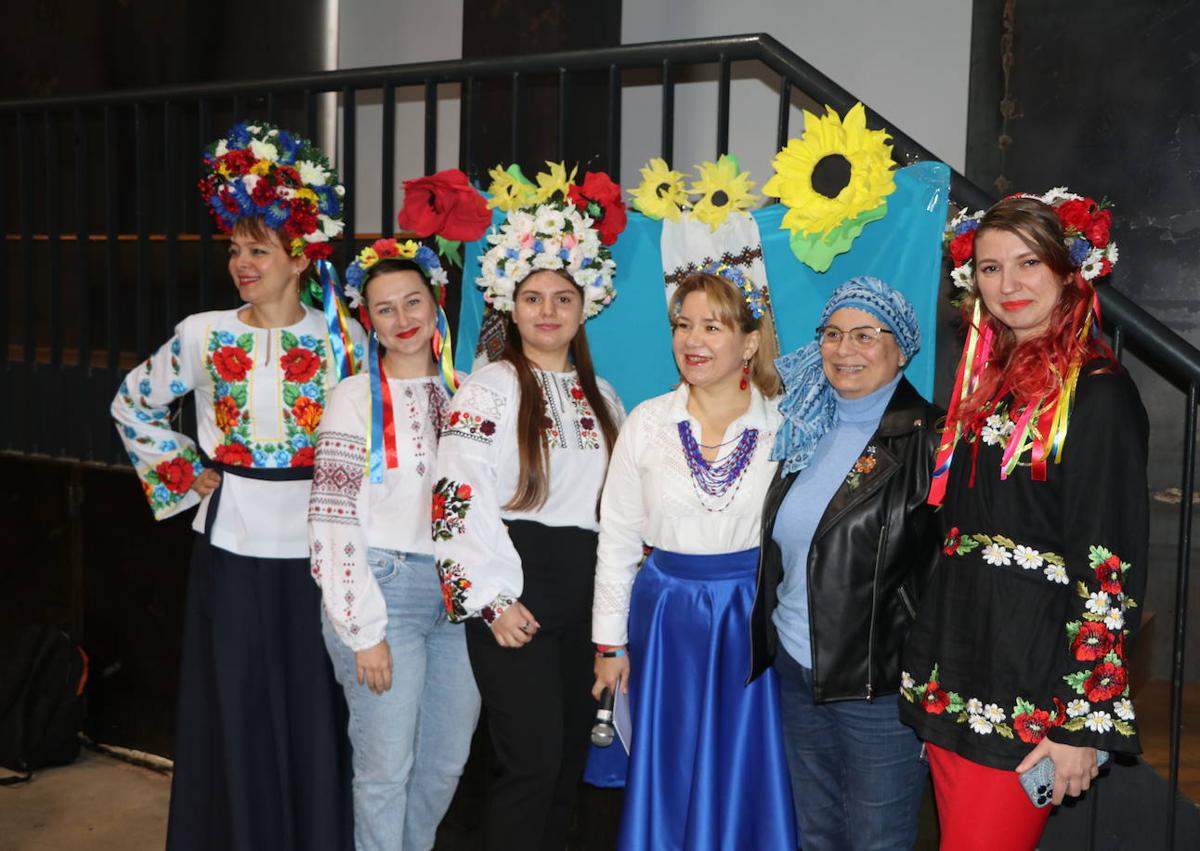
(1038, 782)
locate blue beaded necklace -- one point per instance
(716, 478)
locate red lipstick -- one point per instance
(1016, 304)
(405, 335)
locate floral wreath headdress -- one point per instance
(443, 206)
(556, 225)
(260, 170)
(1041, 428)
(757, 299)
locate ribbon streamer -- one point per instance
(381, 440)
(337, 320)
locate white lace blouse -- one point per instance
(651, 496)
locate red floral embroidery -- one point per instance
(952, 541)
(935, 700)
(463, 492)
(303, 457)
(1108, 573)
(232, 363)
(1093, 641)
(176, 475)
(439, 506)
(307, 412)
(1032, 726)
(235, 455)
(299, 364)
(227, 413)
(1106, 682)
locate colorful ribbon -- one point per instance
(443, 351)
(337, 320)
(381, 439)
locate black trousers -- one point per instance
(538, 697)
(261, 752)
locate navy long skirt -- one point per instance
(261, 753)
(707, 767)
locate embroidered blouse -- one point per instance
(347, 513)
(260, 393)
(1024, 630)
(477, 471)
(650, 496)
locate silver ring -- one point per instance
(524, 627)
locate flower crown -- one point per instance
(557, 225)
(260, 170)
(723, 190)
(1085, 224)
(390, 249)
(757, 298)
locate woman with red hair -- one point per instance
(1019, 652)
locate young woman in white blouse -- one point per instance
(260, 742)
(402, 665)
(521, 463)
(688, 474)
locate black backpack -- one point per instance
(41, 701)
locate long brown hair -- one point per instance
(533, 481)
(1035, 367)
(730, 309)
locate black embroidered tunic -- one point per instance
(1024, 631)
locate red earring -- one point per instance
(745, 382)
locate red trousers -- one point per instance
(981, 808)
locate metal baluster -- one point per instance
(564, 100)
(785, 113)
(470, 99)
(348, 142)
(141, 217)
(518, 101)
(25, 196)
(112, 304)
(723, 106)
(614, 122)
(431, 122)
(170, 221)
(204, 265)
(387, 171)
(51, 383)
(88, 418)
(668, 112)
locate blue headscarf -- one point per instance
(809, 405)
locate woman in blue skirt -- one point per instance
(687, 477)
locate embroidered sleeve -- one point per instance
(338, 508)
(165, 460)
(622, 513)
(1105, 513)
(479, 567)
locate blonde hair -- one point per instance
(730, 309)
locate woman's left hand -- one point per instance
(1074, 767)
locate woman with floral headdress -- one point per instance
(688, 475)
(260, 752)
(1019, 651)
(847, 544)
(402, 665)
(520, 465)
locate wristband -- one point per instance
(615, 653)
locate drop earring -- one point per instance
(745, 382)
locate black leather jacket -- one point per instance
(870, 557)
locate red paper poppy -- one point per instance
(444, 204)
(600, 198)
(962, 247)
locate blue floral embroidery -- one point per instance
(308, 341)
(178, 388)
(168, 446)
(225, 338)
(144, 387)
(175, 346)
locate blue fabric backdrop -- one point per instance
(631, 339)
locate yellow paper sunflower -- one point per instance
(661, 194)
(557, 181)
(834, 180)
(723, 188)
(509, 189)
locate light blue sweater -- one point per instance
(805, 503)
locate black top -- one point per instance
(1024, 629)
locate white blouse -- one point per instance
(650, 496)
(347, 513)
(478, 467)
(260, 393)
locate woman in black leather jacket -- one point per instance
(847, 541)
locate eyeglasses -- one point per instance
(861, 338)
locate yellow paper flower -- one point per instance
(308, 194)
(510, 189)
(407, 250)
(724, 189)
(556, 181)
(661, 194)
(261, 168)
(832, 143)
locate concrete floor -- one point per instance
(97, 803)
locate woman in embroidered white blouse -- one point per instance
(520, 466)
(402, 665)
(687, 477)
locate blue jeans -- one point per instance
(858, 774)
(411, 742)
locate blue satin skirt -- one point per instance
(707, 767)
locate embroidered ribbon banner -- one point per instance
(631, 339)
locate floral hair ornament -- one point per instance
(557, 225)
(834, 180)
(262, 171)
(448, 208)
(1041, 428)
(757, 298)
